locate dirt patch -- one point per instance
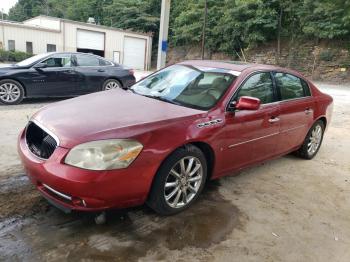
(19, 198)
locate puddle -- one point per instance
(128, 235)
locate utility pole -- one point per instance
(163, 34)
(204, 26)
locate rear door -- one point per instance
(251, 134)
(296, 110)
(92, 72)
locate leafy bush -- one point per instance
(13, 56)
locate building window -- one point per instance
(11, 45)
(29, 47)
(51, 48)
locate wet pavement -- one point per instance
(36, 231)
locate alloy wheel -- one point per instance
(183, 182)
(112, 85)
(9, 92)
(314, 140)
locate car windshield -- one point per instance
(31, 60)
(199, 88)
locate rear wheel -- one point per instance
(11, 92)
(313, 141)
(111, 84)
(179, 181)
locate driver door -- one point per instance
(58, 78)
(250, 135)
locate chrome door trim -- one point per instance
(252, 140)
(293, 128)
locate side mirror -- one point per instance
(40, 66)
(248, 103)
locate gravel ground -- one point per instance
(287, 209)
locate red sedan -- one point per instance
(160, 141)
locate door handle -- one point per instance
(274, 120)
(308, 111)
(100, 70)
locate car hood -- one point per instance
(9, 68)
(108, 114)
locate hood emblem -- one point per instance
(210, 123)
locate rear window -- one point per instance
(87, 60)
(290, 86)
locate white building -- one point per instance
(47, 34)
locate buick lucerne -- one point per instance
(161, 140)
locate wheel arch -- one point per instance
(209, 155)
(323, 119)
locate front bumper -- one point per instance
(71, 188)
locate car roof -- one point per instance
(231, 65)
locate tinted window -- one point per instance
(290, 86)
(51, 48)
(104, 62)
(58, 61)
(87, 60)
(306, 88)
(260, 86)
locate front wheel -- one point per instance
(11, 92)
(111, 84)
(179, 181)
(313, 141)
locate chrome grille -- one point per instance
(39, 142)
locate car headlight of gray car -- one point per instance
(104, 154)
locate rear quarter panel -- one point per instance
(324, 104)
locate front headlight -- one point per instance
(104, 154)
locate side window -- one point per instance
(104, 62)
(259, 86)
(58, 61)
(87, 60)
(290, 86)
(306, 88)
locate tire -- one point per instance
(111, 84)
(313, 138)
(162, 198)
(11, 92)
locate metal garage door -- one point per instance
(90, 40)
(134, 52)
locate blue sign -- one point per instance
(164, 46)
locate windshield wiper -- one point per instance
(160, 98)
